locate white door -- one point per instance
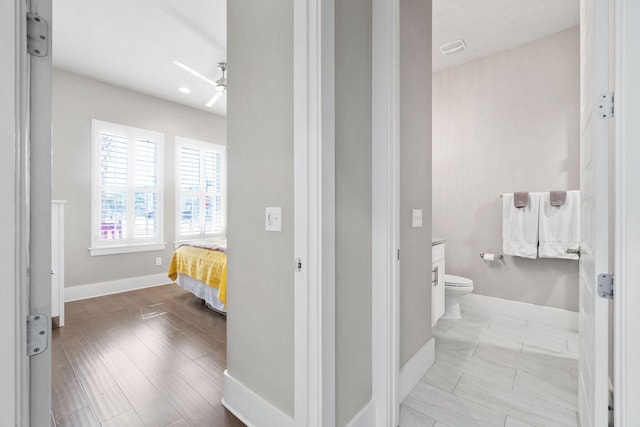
(594, 183)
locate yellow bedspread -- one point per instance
(205, 265)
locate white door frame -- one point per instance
(385, 210)
(14, 363)
(314, 213)
(39, 214)
(627, 212)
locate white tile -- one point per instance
(480, 368)
(524, 407)
(539, 328)
(450, 409)
(503, 339)
(442, 326)
(573, 342)
(554, 359)
(462, 347)
(547, 342)
(510, 325)
(476, 316)
(443, 375)
(497, 371)
(513, 422)
(409, 417)
(574, 378)
(555, 392)
(542, 365)
(466, 331)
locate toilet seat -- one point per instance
(457, 281)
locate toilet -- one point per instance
(455, 287)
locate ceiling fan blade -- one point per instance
(195, 73)
(214, 99)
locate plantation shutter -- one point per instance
(146, 188)
(201, 190)
(213, 192)
(190, 191)
(114, 172)
(126, 189)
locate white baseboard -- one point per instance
(92, 290)
(550, 316)
(413, 371)
(250, 408)
(366, 417)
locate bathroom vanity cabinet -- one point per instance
(437, 280)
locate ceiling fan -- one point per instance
(220, 84)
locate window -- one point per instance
(126, 189)
(200, 190)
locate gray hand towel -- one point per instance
(520, 199)
(558, 198)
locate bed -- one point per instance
(202, 270)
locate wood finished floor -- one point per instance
(152, 357)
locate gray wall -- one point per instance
(260, 165)
(353, 207)
(507, 122)
(260, 351)
(260, 157)
(415, 175)
(77, 100)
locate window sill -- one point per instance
(217, 239)
(124, 249)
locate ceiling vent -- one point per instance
(453, 47)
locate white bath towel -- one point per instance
(520, 226)
(560, 226)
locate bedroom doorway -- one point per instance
(182, 114)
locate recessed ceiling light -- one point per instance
(185, 90)
(453, 47)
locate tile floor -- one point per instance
(497, 371)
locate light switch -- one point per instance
(416, 218)
(273, 219)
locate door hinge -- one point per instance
(605, 286)
(605, 105)
(37, 334)
(37, 35)
(298, 264)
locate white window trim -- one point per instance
(99, 247)
(201, 145)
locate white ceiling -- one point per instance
(490, 26)
(133, 43)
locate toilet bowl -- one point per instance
(455, 287)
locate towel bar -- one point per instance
(574, 251)
(498, 256)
